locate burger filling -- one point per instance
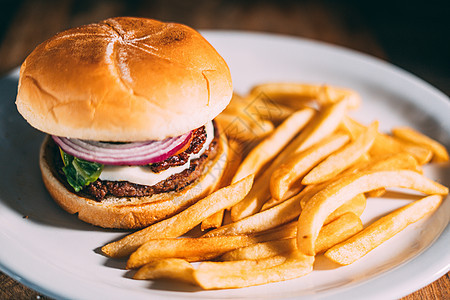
(99, 181)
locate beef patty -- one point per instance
(100, 189)
(196, 144)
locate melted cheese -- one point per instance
(144, 175)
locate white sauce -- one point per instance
(144, 175)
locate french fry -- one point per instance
(234, 274)
(259, 193)
(335, 232)
(298, 165)
(213, 221)
(396, 161)
(381, 230)
(352, 127)
(234, 159)
(356, 206)
(259, 108)
(390, 162)
(244, 128)
(328, 94)
(191, 249)
(264, 108)
(298, 94)
(265, 220)
(230, 266)
(309, 191)
(254, 200)
(169, 268)
(322, 204)
(376, 193)
(261, 250)
(183, 221)
(343, 158)
(203, 248)
(267, 149)
(387, 162)
(291, 192)
(408, 134)
(385, 144)
(323, 124)
(286, 231)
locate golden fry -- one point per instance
(259, 193)
(265, 220)
(236, 274)
(323, 124)
(343, 158)
(298, 165)
(385, 144)
(352, 127)
(309, 191)
(213, 221)
(254, 200)
(257, 107)
(396, 161)
(299, 94)
(322, 204)
(267, 149)
(191, 249)
(233, 161)
(183, 221)
(335, 232)
(388, 162)
(261, 250)
(244, 128)
(231, 266)
(169, 268)
(263, 107)
(356, 206)
(376, 193)
(285, 231)
(291, 192)
(381, 230)
(440, 154)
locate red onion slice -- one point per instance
(136, 153)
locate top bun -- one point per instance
(123, 79)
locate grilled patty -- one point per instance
(100, 189)
(196, 144)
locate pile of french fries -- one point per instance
(298, 179)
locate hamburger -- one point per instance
(128, 105)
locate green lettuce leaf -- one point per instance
(79, 172)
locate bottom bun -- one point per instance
(129, 212)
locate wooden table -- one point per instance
(413, 37)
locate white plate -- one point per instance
(56, 254)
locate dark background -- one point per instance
(413, 35)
